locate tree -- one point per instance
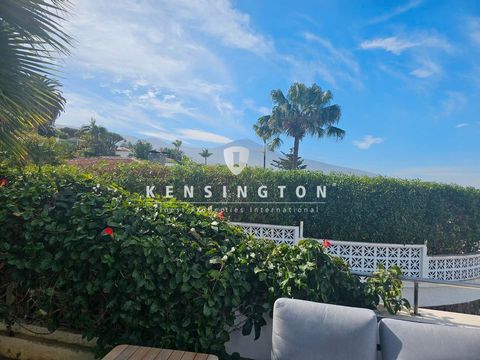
(177, 144)
(141, 149)
(205, 154)
(70, 132)
(97, 140)
(264, 132)
(288, 163)
(31, 40)
(305, 111)
(43, 150)
(174, 154)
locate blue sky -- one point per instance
(405, 73)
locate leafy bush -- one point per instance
(388, 285)
(365, 209)
(83, 253)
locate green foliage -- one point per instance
(97, 140)
(388, 285)
(175, 154)
(168, 276)
(68, 133)
(365, 209)
(141, 149)
(41, 151)
(287, 162)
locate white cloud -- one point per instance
(367, 142)
(462, 125)
(200, 135)
(396, 11)
(391, 44)
(261, 110)
(398, 44)
(427, 69)
(338, 54)
(186, 134)
(453, 101)
(125, 117)
(162, 56)
(157, 134)
(167, 106)
(473, 29)
(320, 58)
(218, 18)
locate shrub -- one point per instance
(83, 253)
(364, 209)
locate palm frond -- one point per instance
(333, 131)
(31, 39)
(275, 144)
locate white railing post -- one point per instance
(301, 230)
(425, 262)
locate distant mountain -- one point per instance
(256, 156)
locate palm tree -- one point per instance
(205, 154)
(31, 39)
(97, 140)
(177, 144)
(263, 132)
(305, 111)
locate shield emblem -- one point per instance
(236, 158)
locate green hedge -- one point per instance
(365, 209)
(83, 253)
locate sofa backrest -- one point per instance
(308, 330)
(408, 340)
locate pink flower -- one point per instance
(326, 243)
(3, 182)
(221, 215)
(108, 231)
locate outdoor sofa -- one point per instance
(307, 330)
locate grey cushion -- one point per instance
(408, 340)
(308, 330)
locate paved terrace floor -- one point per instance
(437, 295)
(438, 317)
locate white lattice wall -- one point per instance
(364, 257)
(464, 267)
(278, 233)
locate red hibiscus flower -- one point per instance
(108, 231)
(3, 182)
(326, 243)
(221, 215)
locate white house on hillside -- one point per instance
(123, 152)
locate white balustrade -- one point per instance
(281, 234)
(364, 257)
(457, 267)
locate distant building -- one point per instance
(123, 152)
(157, 156)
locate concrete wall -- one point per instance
(37, 345)
(250, 348)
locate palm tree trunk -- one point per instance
(296, 145)
(264, 154)
(205, 161)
